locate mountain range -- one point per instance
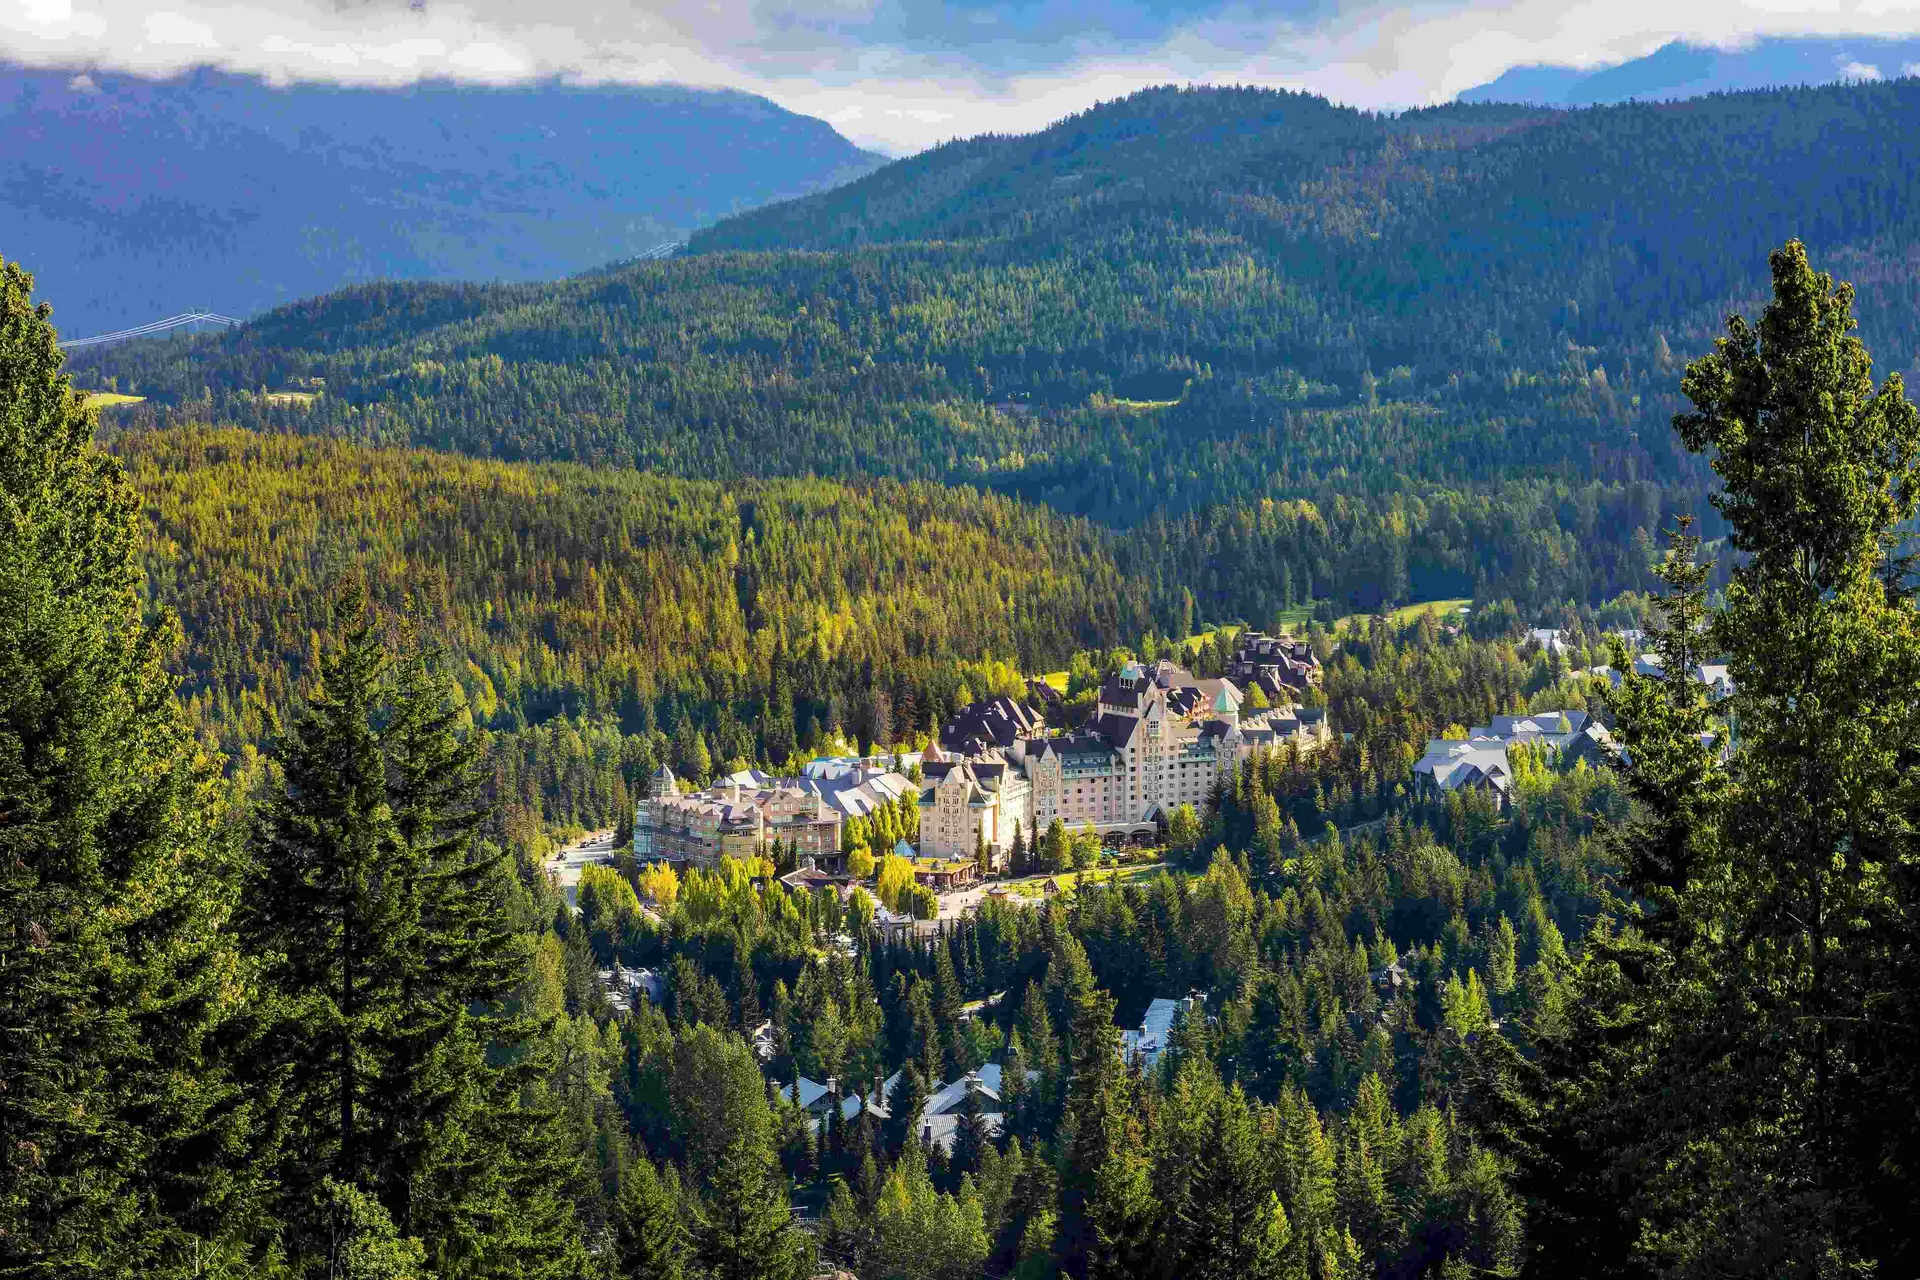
(1683, 70)
(133, 198)
(1292, 350)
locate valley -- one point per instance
(1231, 687)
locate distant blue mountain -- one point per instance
(131, 198)
(1689, 71)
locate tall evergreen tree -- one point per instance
(905, 1102)
(334, 910)
(1106, 1214)
(1733, 1073)
(1218, 1213)
(650, 1239)
(1820, 471)
(742, 1228)
(123, 1140)
(381, 919)
(971, 1137)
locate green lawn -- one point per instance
(1407, 613)
(108, 399)
(1034, 886)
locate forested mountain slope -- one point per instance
(1436, 231)
(1164, 313)
(658, 604)
(135, 198)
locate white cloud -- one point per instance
(177, 31)
(1860, 71)
(825, 58)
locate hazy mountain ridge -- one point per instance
(134, 198)
(1680, 70)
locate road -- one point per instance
(595, 846)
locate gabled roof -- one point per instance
(991, 722)
(1171, 677)
(1221, 695)
(1453, 764)
(1534, 722)
(811, 878)
(808, 1091)
(950, 1097)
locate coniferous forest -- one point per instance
(299, 691)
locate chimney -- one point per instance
(879, 1092)
(926, 1135)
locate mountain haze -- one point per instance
(134, 199)
(1681, 70)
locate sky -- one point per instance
(901, 75)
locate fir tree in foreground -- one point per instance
(122, 1141)
(1732, 1088)
(399, 1068)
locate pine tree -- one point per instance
(650, 1240)
(1106, 1212)
(476, 1171)
(1016, 1091)
(393, 959)
(904, 1105)
(742, 1227)
(121, 1129)
(1316, 1241)
(1364, 1200)
(1821, 472)
(462, 956)
(334, 908)
(1502, 964)
(1774, 944)
(971, 1137)
(1219, 1216)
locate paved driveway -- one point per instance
(595, 846)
